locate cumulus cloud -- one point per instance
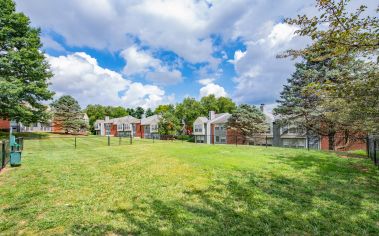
(214, 89)
(260, 75)
(154, 70)
(79, 75)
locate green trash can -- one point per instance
(15, 159)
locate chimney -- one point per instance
(212, 115)
(262, 107)
(107, 118)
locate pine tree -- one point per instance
(68, 114)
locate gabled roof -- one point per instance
(154, 119)
(126, 120)
(201, 119)
(221, 118)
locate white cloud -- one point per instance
(260, 75)
(142, 62)
(214, 89)
(138, 61)
(281, 33)
(80, 75)
(49, 43)
(206, 81)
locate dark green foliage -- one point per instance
(248, 120)
(138, 112)
(149, 112)
(24, 72)
(188, 111)
(168, 124)
(68, 114)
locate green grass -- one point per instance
(180, 188)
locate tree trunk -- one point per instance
(331, 139)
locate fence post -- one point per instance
(131, 139)
(119, 140)
(368, 146)
(375, 151)
(266, 141)
(109, 140)
(236, 139)
(75, 142)
(3, 153)
(153, 138)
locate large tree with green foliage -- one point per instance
(164, 108)
(219, 105)
(248, 120)
(338, 32)
(168, 124)
(24, 71)
(68, 114)
(188, 111)
(149, 112)
(346, 88)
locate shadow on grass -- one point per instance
(249, 204)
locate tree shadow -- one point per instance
(254, 205)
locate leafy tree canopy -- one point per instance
(24, 71)
(168, 124)
(338, 32)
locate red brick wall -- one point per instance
(138, 130)
(5, 124)
(233, 135)
(340, 143)
(114, 130)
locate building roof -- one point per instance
(201, 119)
(154, 119)
(120, 120)
(221, 118)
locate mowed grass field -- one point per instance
(175, 188)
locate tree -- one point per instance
(188, 111)
(248, 120)
(168, 124)
(116, 112)
(24, 71)
(226, 105)
(209, 103)
(139, 111)
(164, 108)
(149, 112)
(68, 114)
(338, 32)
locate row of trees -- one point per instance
(174, 117)
(336, 86)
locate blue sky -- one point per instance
(151, 52)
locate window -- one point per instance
(154, 128)
(199, 128)
(119, 126)
(217, 139)
(126, 126)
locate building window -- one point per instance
(127, 126)
(154, 128)
(199, 128)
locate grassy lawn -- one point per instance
(186, 189)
